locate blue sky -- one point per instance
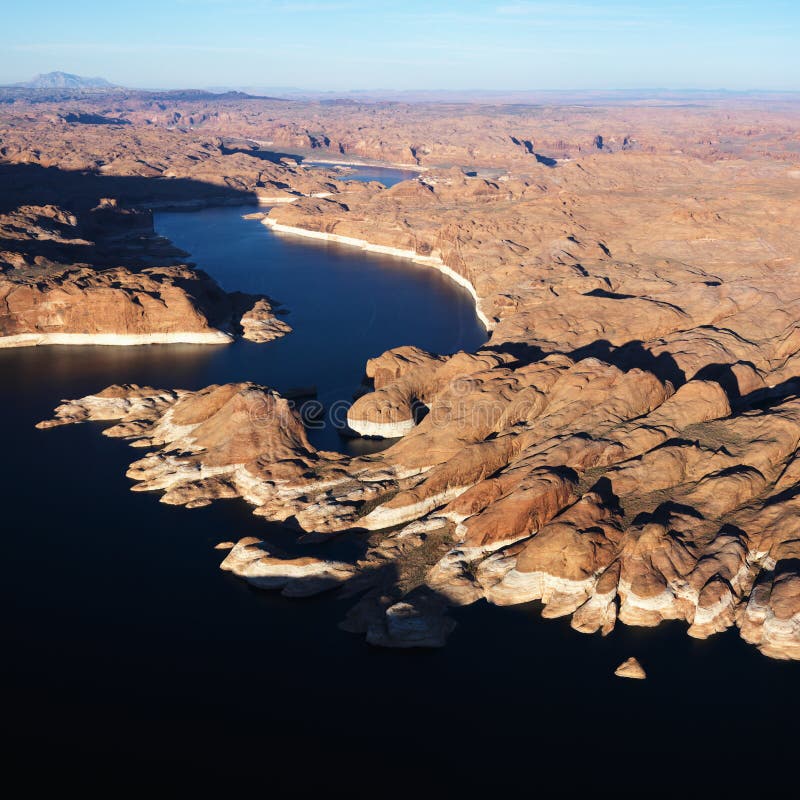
(416, 44)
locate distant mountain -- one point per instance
(65, 80)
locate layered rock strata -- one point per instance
(100, 276)
(622, 450)
(607, 495)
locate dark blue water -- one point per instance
(129, 655)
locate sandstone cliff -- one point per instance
(624, 447)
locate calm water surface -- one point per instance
(388, 176)
(128, 651)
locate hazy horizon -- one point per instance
(472, 46)
(289, 92)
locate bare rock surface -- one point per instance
(630, 668)
(622, 449)
(260, 324)
(98, 274)
(660, 512)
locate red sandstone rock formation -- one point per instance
(623, 448)
(97, 274)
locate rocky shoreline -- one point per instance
(114, 339)
(624, 448)
(433, 261)
(529, 533)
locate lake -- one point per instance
(388, 176)
(128, 651)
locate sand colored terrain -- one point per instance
(478, 132)
(623, 448)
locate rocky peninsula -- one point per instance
(623, 448)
